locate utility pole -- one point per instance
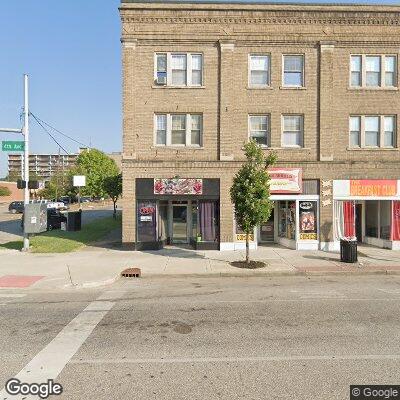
(25, 132)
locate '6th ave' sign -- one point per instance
(12, 146)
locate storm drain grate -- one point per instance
(131, 273)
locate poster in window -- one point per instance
(146, 221)
(308, 220)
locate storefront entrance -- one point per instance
(179, 223)
(267, 230)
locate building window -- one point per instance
(373, 71)
(259, 129)
(292, 135)
(293, 70)
(178, 69)
(178, 129)
(356, 70)
(372, 131)
(259, 67)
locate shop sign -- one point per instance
(308, 236)
(178, 186)
(308, 220)
(285, 180)
(146, 210)
(241, 237)
(373, 187)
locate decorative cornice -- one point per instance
(391, 20)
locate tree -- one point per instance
(96, 166)
(250, 190)
(113, 187)
(5, 191)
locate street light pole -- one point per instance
(25, 132)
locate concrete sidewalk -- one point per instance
(96, 267)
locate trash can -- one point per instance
(74, 220)
(348, 251)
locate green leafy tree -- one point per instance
(5, 191)
(113, 187)
(250, 190)
(96, 166)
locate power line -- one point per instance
(61, 133)
(59, 145)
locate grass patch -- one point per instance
(59, 241)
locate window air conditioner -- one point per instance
(161, 80)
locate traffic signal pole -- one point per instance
(26, 152)
(25, 132)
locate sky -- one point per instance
(71, 51)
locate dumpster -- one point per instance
(74, 220)
(348, 250)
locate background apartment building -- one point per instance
(317, 84)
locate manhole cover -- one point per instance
(131, 273)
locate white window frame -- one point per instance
(188, 68)
(188, 125)
(301, 131)
(253, 85)
(268, 128)
(382, 72)
(303, 72)
(381, 132)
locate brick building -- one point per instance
(318, 84)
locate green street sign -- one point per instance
(13, 146)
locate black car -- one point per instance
(16, 207)
(54, 219)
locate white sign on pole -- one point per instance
(79, 180)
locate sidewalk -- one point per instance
(96, 267)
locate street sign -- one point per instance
(79, 180)
(12, 146)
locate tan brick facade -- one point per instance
(226, 35)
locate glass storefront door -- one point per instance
(267, 230)
(179, 223)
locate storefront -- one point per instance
(368, 210)
(177, 211)
(294, 220)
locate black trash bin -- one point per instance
(74, 220)
(348, 251)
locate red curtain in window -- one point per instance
(396, 220)
(348, 212)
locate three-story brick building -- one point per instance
(317, 84)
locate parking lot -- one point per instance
(10, 224)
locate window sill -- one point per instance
(254, 87)
(285, 148)
(177, 147)
(373, 89)
(372, 149)
(177, 87)
(292, 88)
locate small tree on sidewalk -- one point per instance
(250, 191)
(112, 185)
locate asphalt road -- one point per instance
(10, 224)
(206, 338)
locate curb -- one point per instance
(91, 285)
(269, 274)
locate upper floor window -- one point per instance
(178, 69)
(293, 70)
(259, 70)
(259, 129)
(178, 129)
(372, 131)
(373, 71)
(292, 130)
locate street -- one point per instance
(205, 338)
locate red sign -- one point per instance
(178, 186)
(285, 180)
(146, 210)
(373, 187)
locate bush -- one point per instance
(5, 191)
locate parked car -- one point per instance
(16, 207)
(55, 218)
(58, 205)
(86, 199)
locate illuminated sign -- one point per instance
(285, 180)
(373, 187)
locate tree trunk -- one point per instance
(247, 249)
(115, 210)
